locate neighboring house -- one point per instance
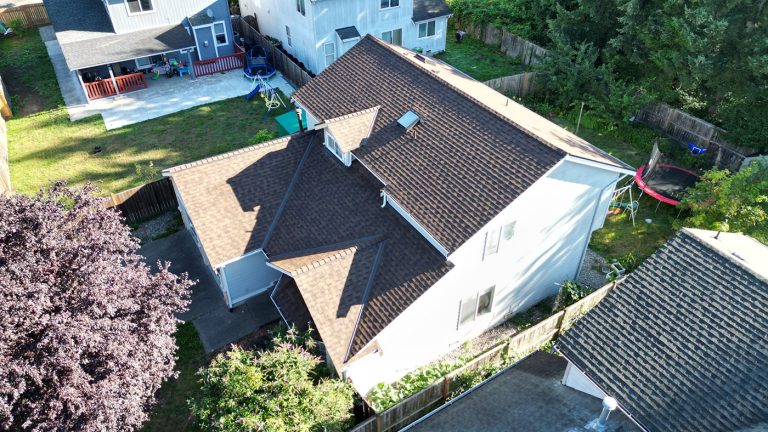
(106, 42)
(420, 209)
(681, 344)
(319, 32)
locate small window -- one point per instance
(220, 32)
(300, 7)
(492, 242)
(333, 146)
(329, 50)
(288, 34)
(394, 37)
(427, 29)
(139, 6)
(508, 231)
(467, 312)
(386, 4)
(485, 301)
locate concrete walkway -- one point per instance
(216, 325)
(162, 97)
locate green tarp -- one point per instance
(288, 123)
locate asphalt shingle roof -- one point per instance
(87, 38)
(428, 9)
(682, 343)
(454, 171)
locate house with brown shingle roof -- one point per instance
(418, 210)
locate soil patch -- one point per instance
(25, 99)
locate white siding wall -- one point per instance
(553, 219)
(575, 379)
(165, 12)
(309, 33)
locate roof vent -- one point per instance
(409, 120)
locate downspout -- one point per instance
(592, 222)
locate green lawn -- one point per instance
(478, 60)
(45, 146)
(172, 411)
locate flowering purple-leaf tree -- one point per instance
(85, 326)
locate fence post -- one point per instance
(378, 422)
(446, 387)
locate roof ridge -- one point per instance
(232, 153)
(340, 253)
(288, 191)
(464, 93)
(364, 299)
(727, 256)
(354, 114)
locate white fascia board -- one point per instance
(599, 165)
(281, 270)
(230, 261)
(414, 223)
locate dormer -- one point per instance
(347, 133)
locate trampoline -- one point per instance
(666, 183)
(263, 71)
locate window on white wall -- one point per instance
(300, 7)
(492, 242)
(139, 6)
(386, 4)
(476, 306)
(220, 33)
(393, 36)
(333, 146)
(427, 29)
(288, 35)
(508, 231)
(329, 50)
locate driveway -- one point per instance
(526, 397)
(163, 96)
(216, 325)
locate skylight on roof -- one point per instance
(408, 120)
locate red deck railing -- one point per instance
(131, 82)
(106, 88)
(219, 64)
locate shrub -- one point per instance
(384, 395)
(280, 389)
(147, 173)
(261, 136)
(724, 202)
(570, 292)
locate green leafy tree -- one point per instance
(285, 388)
(725, 202)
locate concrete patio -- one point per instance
(215, 324)
(162, 97)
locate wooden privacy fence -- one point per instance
(144, 202)
(31, 15)
(290, 69)
(219, 64)
(434, 395)
(685, 128)
(516, 85)
(5, 173)
(510, 44)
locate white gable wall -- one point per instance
(318, 26)
(554, 220)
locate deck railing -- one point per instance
(131, 82)
(219, 64)
(99, 89)
(106, 88)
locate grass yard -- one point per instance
(172, 411)
(478, 60)
(45, 146)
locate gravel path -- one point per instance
(152, 228)
(591, 273)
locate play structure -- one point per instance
(258, 70)
(664, 182)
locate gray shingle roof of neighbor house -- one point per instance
(682, 343)
(465, 161)
(428, 9)
(87, 38)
